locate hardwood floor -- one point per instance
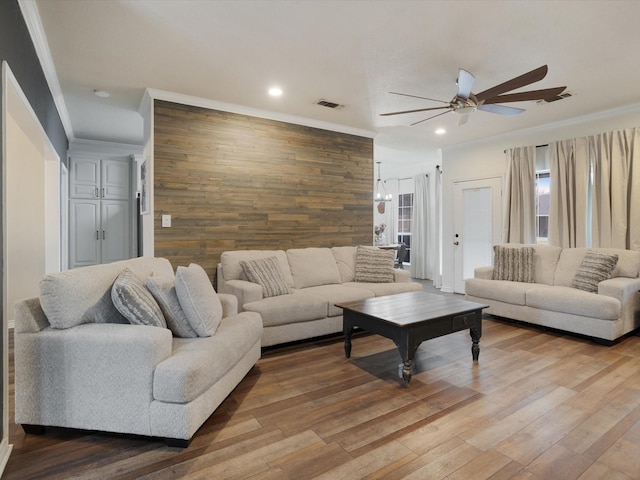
(538, 405)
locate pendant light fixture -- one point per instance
(381, 194)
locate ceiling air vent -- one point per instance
(556, 98)
(328, 104)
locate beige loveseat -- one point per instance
(118, 377)
(551, 301)
(318, 278)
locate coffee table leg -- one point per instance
(475, 344)
(347, 339)
(406, 373)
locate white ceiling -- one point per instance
(349, 52)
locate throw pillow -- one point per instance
(164, 291)
(595, 267)
(513, 263)
(132, 299)
(374, 265)
(198, 299)
(266, 272)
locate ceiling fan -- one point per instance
(466, 102)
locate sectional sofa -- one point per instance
(555, 296)
(315, 280)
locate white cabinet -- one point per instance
(100, 211)
(107, 179)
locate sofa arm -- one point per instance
(486, 273)
(92, 376)
(627, 291)
(244, 291)
(401, 276)
(229, 304)
(29, 316)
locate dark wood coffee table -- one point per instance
(411, 318)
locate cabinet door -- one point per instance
(84, 177)
(84, 228)
(115, 179)
(115, 234)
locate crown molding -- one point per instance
(584, 119)
(155, 94)
(31, 16)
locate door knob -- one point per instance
(456, 243)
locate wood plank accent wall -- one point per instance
(236, 182)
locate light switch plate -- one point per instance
(166, 220)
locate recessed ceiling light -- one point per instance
(275, 91)
(440, 131)
(101, 93)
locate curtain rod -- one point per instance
(537, 146)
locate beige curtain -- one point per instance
(569, 180)
(616, 189)
(519, 224)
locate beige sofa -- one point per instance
(318, 277)
(118, 377)
(550, 300)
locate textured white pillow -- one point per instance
(374, 265)
(134, 302)
(198, 299)
(163, 290)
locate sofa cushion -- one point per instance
(198, 299)
(198, 363)
(573, 301)
(266, 273)
(346, 261)
(380, 289)
(134, 302)
(336, 294)
(545, 261)
(232, 270)
(568, 263)
(501, 290)
(164, 291)
(374, 265)
(83, 295)
(595, 268)
(513, 263)
(292, 308)
(312, 266)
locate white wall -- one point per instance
(487, 159)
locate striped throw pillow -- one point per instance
(132, 299)
(266, 272)
(513, 263)
(374, 265)
(595, 267)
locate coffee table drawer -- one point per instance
(462, 322)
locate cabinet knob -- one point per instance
(97, 235)
(96, 192)
(103, 193)
(103, 235)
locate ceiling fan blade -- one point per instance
(525, 96)
(465, 83)
(416, 96)
(415, 123)
(500, 109)
(413, 111)
(517, 82)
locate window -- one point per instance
(405, 211)
(542, 207)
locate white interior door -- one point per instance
(477, 214)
